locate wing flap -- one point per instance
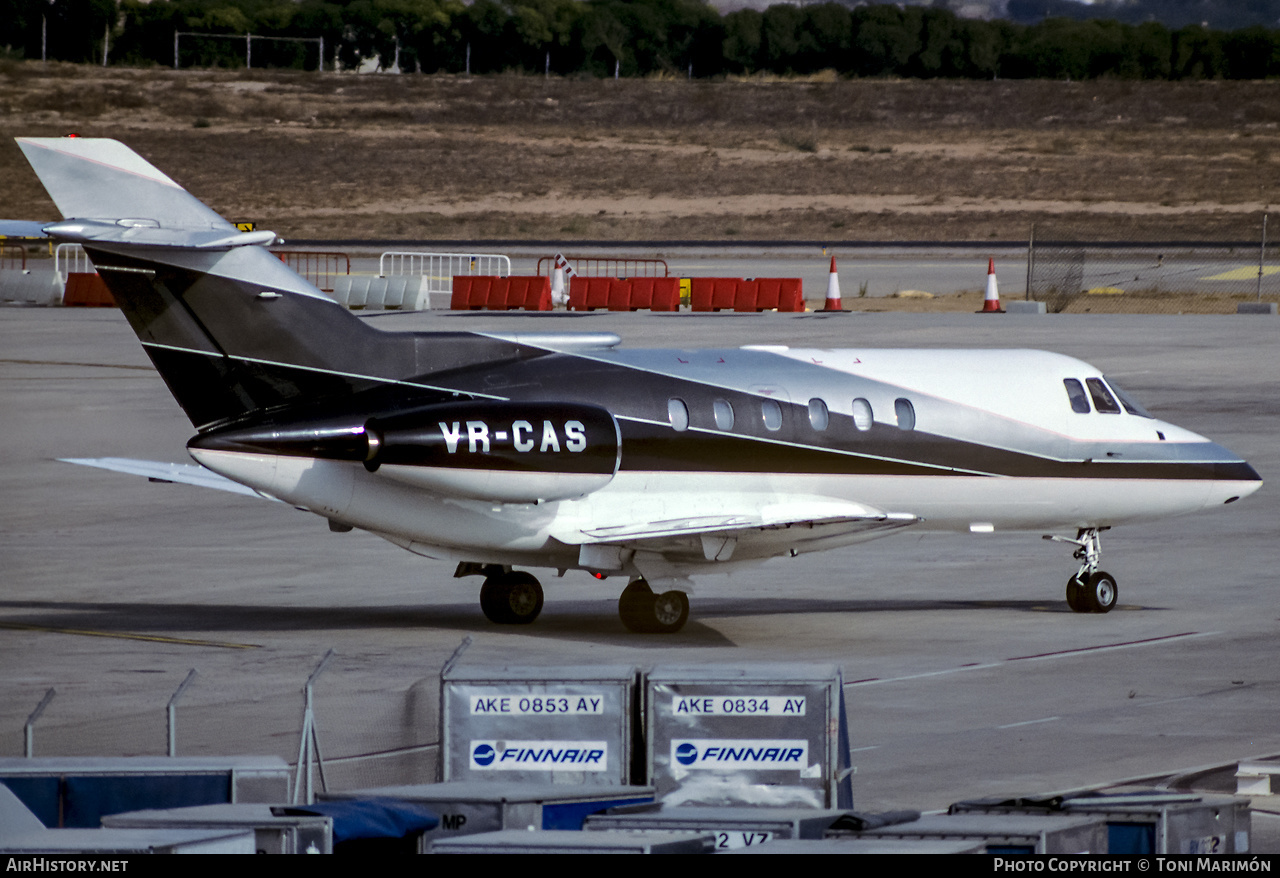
(855, 517)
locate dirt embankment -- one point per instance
(417, 157)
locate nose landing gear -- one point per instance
(1090, 590)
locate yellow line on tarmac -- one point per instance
(155, 638)
(1247, 273)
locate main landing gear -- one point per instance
(644, 612)
(1090, 590)
(512, 597)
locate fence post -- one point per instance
(1262, 255)
(28, 730)
(310, 740)
(1031, 260)
(175, 49)
(172, 710)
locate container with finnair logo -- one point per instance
(539, 756)
(733, 754)
(515, 723)
(748, 734)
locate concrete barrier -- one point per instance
(31, 287)
(488, 293)
(1022, 306)
(1256, 308)
(624, 294)
(87, 289)
(396, 293)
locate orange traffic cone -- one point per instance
(991, 301)
(833, 289)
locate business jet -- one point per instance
(564, 451)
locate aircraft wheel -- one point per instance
(1101, 593)
(1075, 596)
(670, 612)
(636, 607)
(644, 612)
(513, 598)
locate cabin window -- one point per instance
(1075, 393)
(772, 414)
(724, 414)
(1130, 404)
(1103, 401)
(678, 415)
(906, 414)
(818, 415)
(862, 416)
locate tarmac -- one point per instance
(966, 674)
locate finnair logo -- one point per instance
(539, 755)
(730, 754)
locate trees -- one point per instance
(644, 37)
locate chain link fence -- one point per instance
(1128, 268)
(369, 735)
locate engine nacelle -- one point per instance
(510, 452)
(507, 452)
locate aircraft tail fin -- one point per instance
(232, 329)
(97, 178)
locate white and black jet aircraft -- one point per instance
(562, 451)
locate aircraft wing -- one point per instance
(739, 518)
(156, 471)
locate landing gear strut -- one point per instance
(1090, 590)
(511, 598)
(644, 612)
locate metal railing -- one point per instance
(12, 256)
(319, 267)
(607, 266)
(71, 259)
(440, 268)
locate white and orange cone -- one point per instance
(991, 301)
(833, 289)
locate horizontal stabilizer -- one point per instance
(22, 229)
(141, 234)
(98, 178)
(157, 471)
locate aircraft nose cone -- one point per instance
(1232, 482)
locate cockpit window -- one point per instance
(1075, 392)
(1130, 404)
(1103, 401)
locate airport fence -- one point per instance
(13, 256)
(321, 268)
(1114, 268)
(440, 269)
(383, 734)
